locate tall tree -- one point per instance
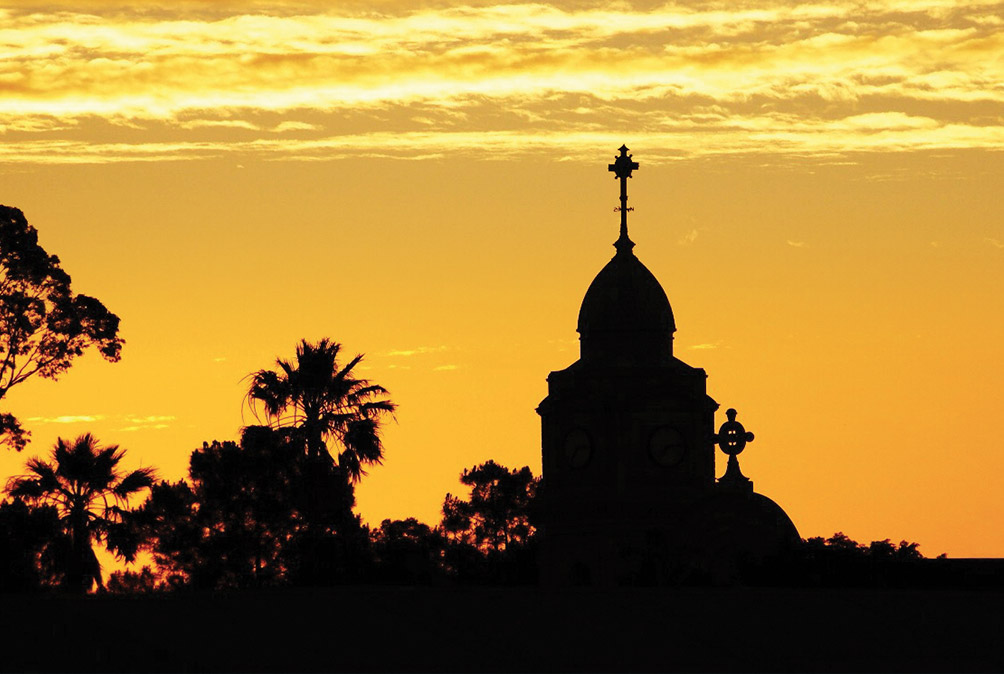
(242, 520)
(87, 489)
(337, 414)
(43, 325)
(492, 533)
(498, 514)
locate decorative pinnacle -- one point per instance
(622, 168)
(732, 438)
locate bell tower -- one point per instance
(627, 430)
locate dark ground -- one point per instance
(498, 629)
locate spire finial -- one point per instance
(622, 168)
(732, 438)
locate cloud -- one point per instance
(151, 419)
(994, 242)
(66, 419)
(199, 80)
(218, 123)
(688, 238)
(153, 422)
(295, 126)
(796, 244)
(142, 427)
(445, 368)
(706, 346)
(659, 147)
(418, 350)
(134, 422)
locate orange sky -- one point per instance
(426, 183)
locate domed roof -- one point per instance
(625, 296)
(626, 314)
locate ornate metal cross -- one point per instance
(732, 438)
(622, 168)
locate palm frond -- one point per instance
(368, 390)
(139, 479)
(344, 372)
(349, 462)
(363, 440)
(377, 406)
(25, 487)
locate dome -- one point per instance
(625, 315)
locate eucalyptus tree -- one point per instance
(43, 325)
(337, 414)
(89, 492)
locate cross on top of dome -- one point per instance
(622, 168)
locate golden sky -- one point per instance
(425, 182)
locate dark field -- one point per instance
(523, 629)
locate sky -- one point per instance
(425, 183)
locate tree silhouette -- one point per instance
(24, 534)
(144, 581)
(841, 561)
(324, 401)
(243, 521)
(87, 490)
(491, 533)
(43, 325)
(408, 551)
(497, 515)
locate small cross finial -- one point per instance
(732, 438)
(622, 167)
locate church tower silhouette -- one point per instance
(628, 448)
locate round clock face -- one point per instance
(667, 446)
(578, 448)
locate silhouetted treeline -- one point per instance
(266, 513)
(253, 514)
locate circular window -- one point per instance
(667, 446)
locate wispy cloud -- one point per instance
(132, 422)
(689, 238)
(994, 242)
(284, 127)
(66, 419)
(152, 419)
(796, 244)
(706, 346)
(284, 81)
(153, 422)
(445, 368)
(418, 350)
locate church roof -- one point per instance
(625, 297)
(625, 318)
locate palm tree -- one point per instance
(88, 491)
(323, 401)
